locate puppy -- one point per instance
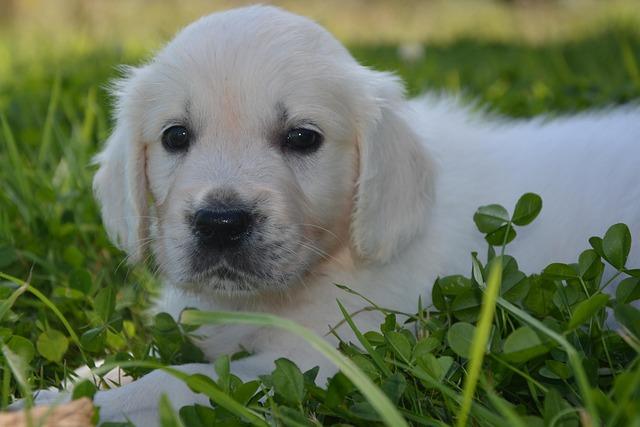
(264, 165)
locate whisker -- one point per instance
(331, 233)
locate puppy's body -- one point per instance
(588, 181)
(384, 205)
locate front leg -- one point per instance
(138, 400)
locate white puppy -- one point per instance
(265, 165)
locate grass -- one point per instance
(66, 298)
(147, 24)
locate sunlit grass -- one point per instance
(524, 60)
(150, 23)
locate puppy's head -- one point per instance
(253, 147)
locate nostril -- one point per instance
(221, 228)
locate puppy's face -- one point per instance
(250, 154)
(242, 141)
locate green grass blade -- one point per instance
(6, 385)
(168, 417)
(14, 162)
(477, 410)
(572, 354)
(378, 400)
(503, 407)
(627, 394)
(629, 61)
(90, 115)
(365, 343)
(47, 129)
(530, 380)
(46, 301)
(8, 303)
(480, 339)
(422, 420)
(19, 370)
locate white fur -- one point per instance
(384, 207)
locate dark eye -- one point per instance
(176, 138)
(303, 140)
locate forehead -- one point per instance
(251, 63)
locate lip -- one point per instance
(226, 273)
(229, 280)
(229, 274)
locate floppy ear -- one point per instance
(120, 182)
(395, 182)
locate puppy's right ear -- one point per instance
(120, 183)
(394, 190)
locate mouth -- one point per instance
(225, 276)
(226, 273)
(257, 265)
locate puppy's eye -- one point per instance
(303, 140)
(176, 138)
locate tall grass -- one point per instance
(67, 299)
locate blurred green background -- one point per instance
(520, 58)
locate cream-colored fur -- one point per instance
(384, 206)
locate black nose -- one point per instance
(221, 229)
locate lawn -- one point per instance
(84, 303)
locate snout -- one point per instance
(222, 229)
(238, 243)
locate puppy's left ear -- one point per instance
(120, 183)
(395, 182)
